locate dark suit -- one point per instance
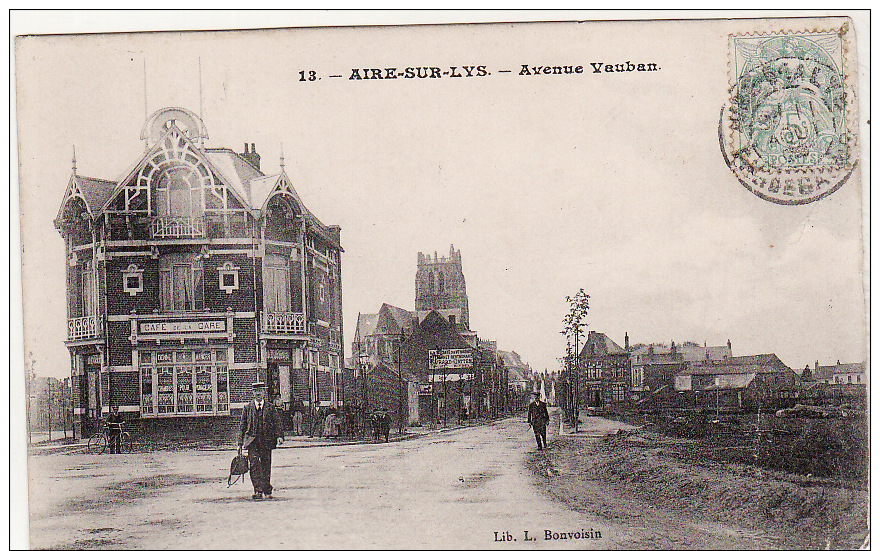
(114, 431)
(259, 434)
(538, 418)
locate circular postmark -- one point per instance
(785, 133)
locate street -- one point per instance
(455, 489)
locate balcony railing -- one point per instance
(177, 227)
(334, 340)
(83, 328)
(285, 322)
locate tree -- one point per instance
(573, 324)
(806, 375)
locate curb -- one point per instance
(406, 437)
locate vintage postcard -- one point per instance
(572, 284)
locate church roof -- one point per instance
(401, 316)
(366, 324)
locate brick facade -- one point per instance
(175, 300)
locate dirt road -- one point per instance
(451, 490)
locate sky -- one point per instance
(547, 184)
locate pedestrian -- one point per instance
(280, 416)
(298, 421)
(538, 418)
(260, 434)
(114, 429)
(331, 429)
(385, 423)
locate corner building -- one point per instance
(189, 278)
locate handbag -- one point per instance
(238, 468)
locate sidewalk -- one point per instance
(71, 446)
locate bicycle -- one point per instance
(100, 441)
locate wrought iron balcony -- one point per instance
(284, 322)
(177, 227)
(86, 327)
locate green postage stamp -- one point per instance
(787, 133)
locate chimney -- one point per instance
(334, 233)
(626, 341)
(728, 345)
(255, 157)
(817, 364)
(251, 155)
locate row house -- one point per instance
(654, 366)
(192, 276)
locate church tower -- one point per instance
(440, 286)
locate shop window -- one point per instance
(180, 283)
(184, 382)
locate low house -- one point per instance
(840, 374)
(736, 383)
(395, 389)
(448, 368)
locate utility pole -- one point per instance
(400, 410)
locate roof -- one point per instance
(401, 316)
(511, 358)
(366, 324)
(444, 312)
(689, 352)
(246, 182)
(603, 345)
(517, 373)
(827, 371)
(95, 191)
(742, 380)
(234, 170)
(761, 363)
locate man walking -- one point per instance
(538, 418)
(114, 429)
(260, 434)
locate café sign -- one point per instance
(193, 326)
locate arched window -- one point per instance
(281, 219)
(440, 282)
(179, 192)
(430, 283)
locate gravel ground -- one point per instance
(642, 478)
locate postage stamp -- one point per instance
(786, 133)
